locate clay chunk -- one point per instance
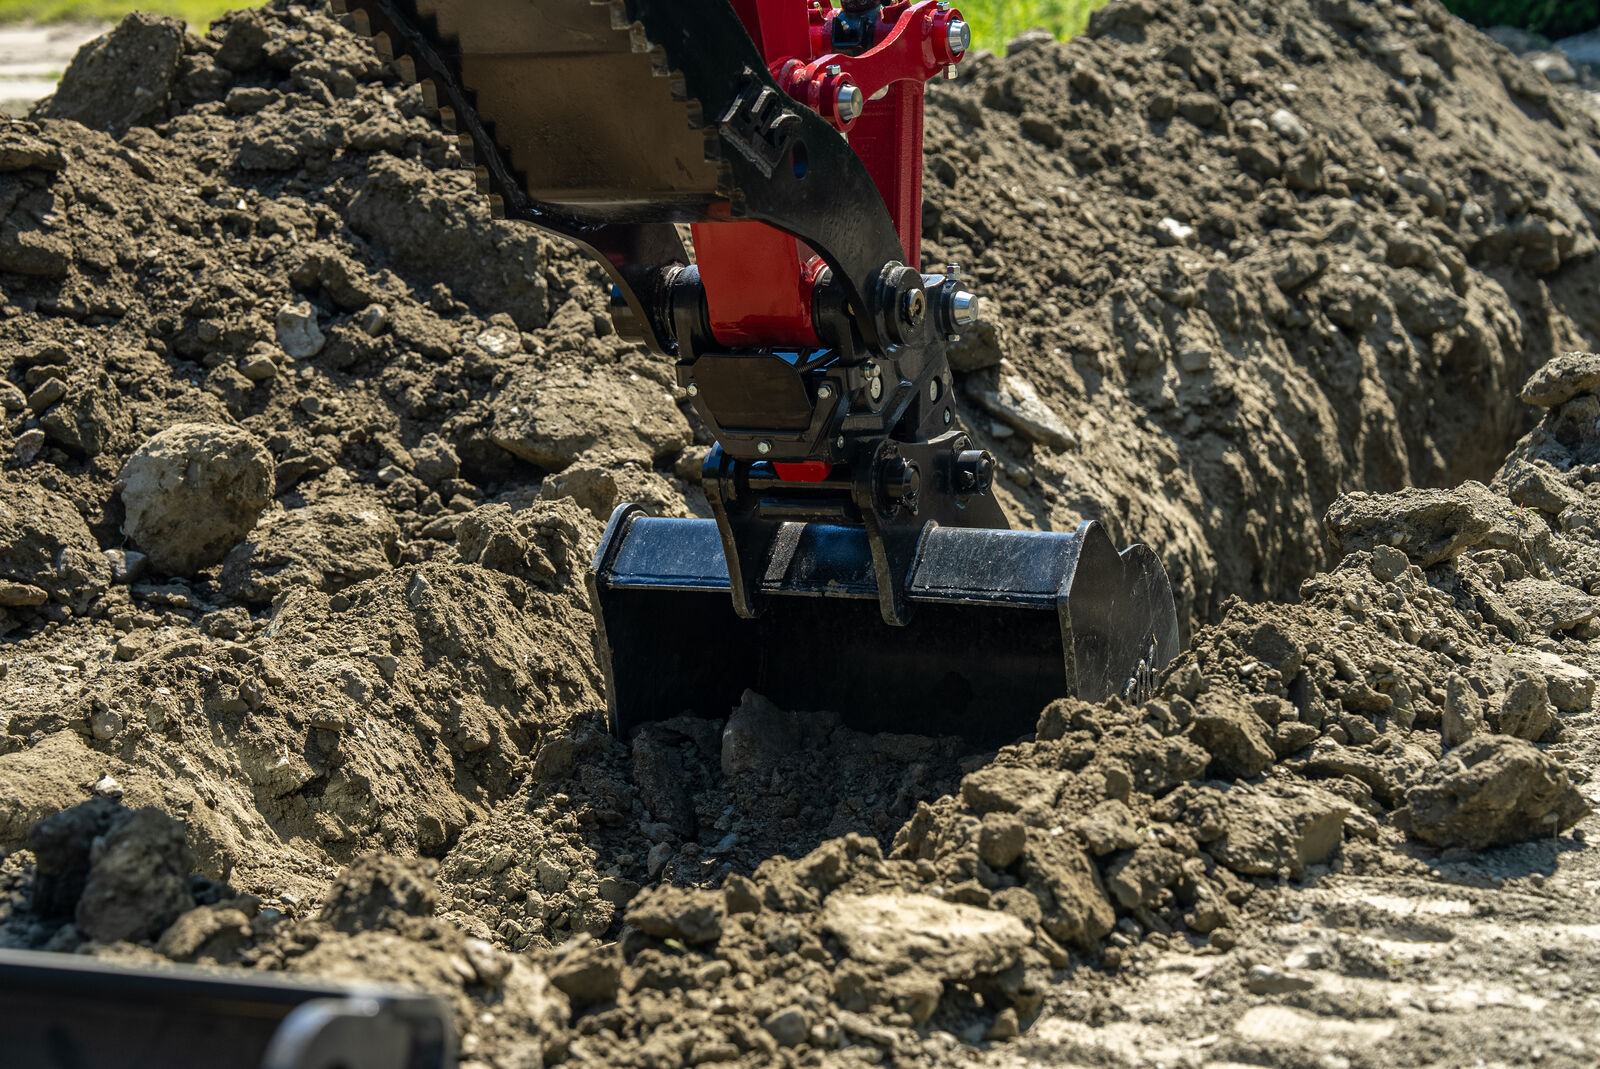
(192, 492)
(1494, 790)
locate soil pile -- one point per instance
(1254, 255)
(1259, 264)
(1399, 702)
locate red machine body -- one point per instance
(759, 280)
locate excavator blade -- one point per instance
(1000, 624)
(60, 1010)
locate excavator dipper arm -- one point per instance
(788, 135)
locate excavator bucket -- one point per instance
(1000, 624)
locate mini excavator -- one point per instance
(858, 560)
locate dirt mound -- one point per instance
(1255, 255)
(1260, 268)
(1292, 741)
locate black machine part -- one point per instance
(1001, 624)
(64, 1012)
(608, 123)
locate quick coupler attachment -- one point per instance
(1001, 624)
(63, 1012)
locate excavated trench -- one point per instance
(306, 457)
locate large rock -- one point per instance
(23, 152)
(1463, 715)
(1235, 738)
(298, 332)
(1494, 790)
(677, 913)
(1582, 48)
(1138, 878)
(192, 492)
(1537, 486)
(1551, 607)
(587, 973)
(218, 933)
(549, 418)
(1067, 885)
(122, 79)
(1014, 400)
(46, 551)
(1010, 789)
(327, 546)
(902, 950)
(1109, 827)
(1571, 689)
(1525, 711)
(379, 892)
(435, 460)
(1562, 379)
(1430, 526)
(1277, 830)
(951, 941)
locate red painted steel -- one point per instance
(757, 289)
(778, 27)
(808, 471)
(759, 280)
(888, 138)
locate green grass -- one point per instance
(994, 21)
(198, 13)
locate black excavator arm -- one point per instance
(841, 477)
(58, 1011)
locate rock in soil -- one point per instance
(1493, 790)
(192, 492)
(380, 892)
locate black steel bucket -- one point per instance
(1002, 623)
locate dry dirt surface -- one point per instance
(304, 457)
